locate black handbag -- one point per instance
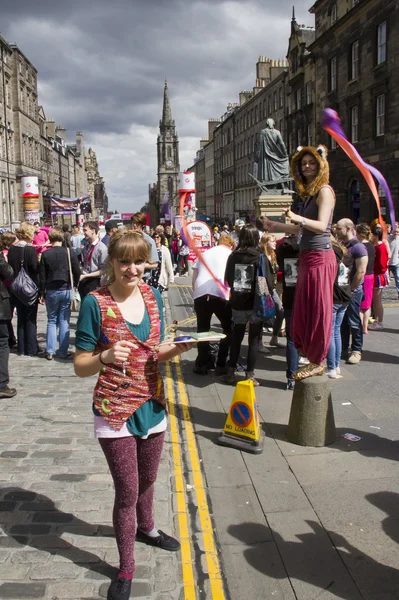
(23, 287)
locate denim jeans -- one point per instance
(292, 354)
(394, 270)
(279, 318)
(58, 305)
(352, 323)
(335, 349)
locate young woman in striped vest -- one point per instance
(119, 330)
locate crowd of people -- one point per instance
(323, 282)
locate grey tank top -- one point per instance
(311, 240)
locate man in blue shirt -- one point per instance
(352, 322)
(110, 227)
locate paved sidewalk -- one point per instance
(297, 522)
(56, 494)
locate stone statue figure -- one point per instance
(271, 156)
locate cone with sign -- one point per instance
(242, 429)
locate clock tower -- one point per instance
(168, 157)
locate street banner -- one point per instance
(69, 206)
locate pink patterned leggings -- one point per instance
(133, 463)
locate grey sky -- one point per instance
(102, 67)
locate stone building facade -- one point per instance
(347, 62)
(355, 54)
(19, 129)
(8, 180)
(95, 185)
(31, 144)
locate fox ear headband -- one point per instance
(332, 124)
(322, 150)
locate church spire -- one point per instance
(166, 113)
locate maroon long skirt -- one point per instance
(313, 306)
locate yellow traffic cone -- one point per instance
(242, 429)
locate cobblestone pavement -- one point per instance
(56, 494)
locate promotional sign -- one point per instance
(30, 195)
(30, 187)
(201, 235)
(126, 216)
(187, 182)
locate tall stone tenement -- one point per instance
(168, 156)
(95, 186)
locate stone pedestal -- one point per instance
(272, 205)
(311, 420)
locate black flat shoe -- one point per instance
(163, 541)
(119, 589)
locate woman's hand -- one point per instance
(294, 218)
(184, 347)
(268, 225)
(120, 352)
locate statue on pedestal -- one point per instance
(272, 161)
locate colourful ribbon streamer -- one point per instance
(224, 288)
(332, 124)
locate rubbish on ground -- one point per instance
(352, 437)
(374, 427)
(346, 403)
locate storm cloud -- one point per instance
(102, 68)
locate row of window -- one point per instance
(6, 194)
(354, 65)
(27, 102)
(379, 119)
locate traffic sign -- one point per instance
(241, 414)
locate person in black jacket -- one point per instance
(6, 273)
(24, 251)
(240, 276)
(55, 287)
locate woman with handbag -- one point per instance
(163, 274)
(59, 273)
(240, 276)
(23, 254)
(268, 248)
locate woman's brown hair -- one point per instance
(55, 235)
(25, 232)
(7, 239)
(364, 230)
(125, 244)
(266, 237)
(226, 240)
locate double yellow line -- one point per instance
(213, 567)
